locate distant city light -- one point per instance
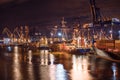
(110, 31)
(119, 31)
(59, 34)
(115, 20)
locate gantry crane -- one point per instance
(16, 32)
(9, 33)
(64, 30)
(19, 34)
(97, 18)
(26, 33)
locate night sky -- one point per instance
(44, 13)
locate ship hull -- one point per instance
(80, 51)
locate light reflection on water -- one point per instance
(52, 58)
(43, 65)
(52, 72)
(44, 57)
(115, 71)
(30, 57)
(30, 72)
(30, 66)
(60, 72)
(16, 65)
(79, 69)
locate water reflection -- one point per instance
(30, 72)
(47, 67)
(16, 65)
(52, 59)
(115, 71)
(43, 65)
(30, 57)
(44, 57)
(80, 68)
(30, 69)
(9, 49)
(52, 72)
(60, 72)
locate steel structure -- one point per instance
(97, 18)
(8, 32)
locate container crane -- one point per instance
(9, 33)
(27, 33)
(18, 34)
(64, 30)
(97, 18)
(102, 22)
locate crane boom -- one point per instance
(16, 31)
(8, 32)
(96, 15)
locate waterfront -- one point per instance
(44, 65)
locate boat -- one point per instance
(43, 47)
(81, 51)
(81, 47)
(107, 55)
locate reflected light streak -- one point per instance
(44, 72)
(114, 69)
(80, 68)
(85, 64)
(30, 57)
(16, 65)
(44, 57)
(60, 72)
(16, 49)
(16, 55)
(52, 69)
(9, 48)
(44, 51)
(30, 72)
(16, 58)
(52, 58)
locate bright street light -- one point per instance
(111, 34)
(59, 34)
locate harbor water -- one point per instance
(17, 64)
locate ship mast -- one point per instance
(64, 30)
(26, 33)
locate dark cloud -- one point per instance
(3, 2)
(50, 12)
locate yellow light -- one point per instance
(80, 69)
